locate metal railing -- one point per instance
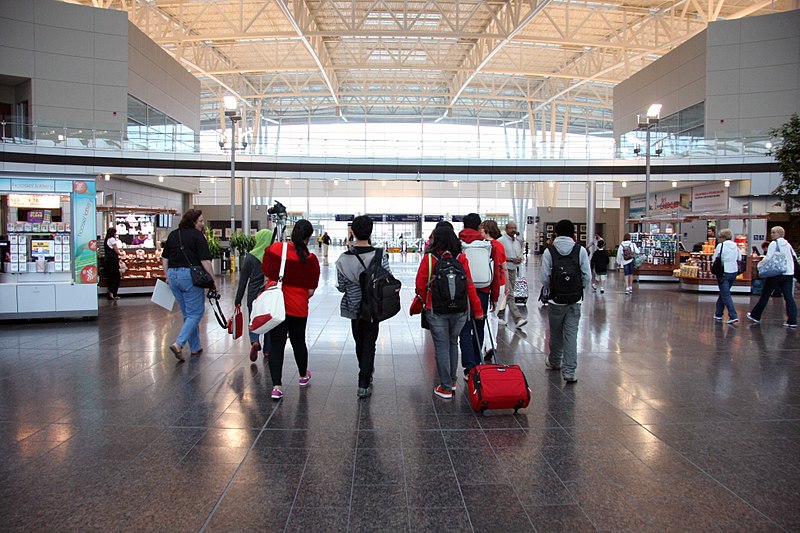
(490, 144)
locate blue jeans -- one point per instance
(564, 321)
(724, 299)
(192, 303)
(785, 284)
(472, 339)
(445, 329)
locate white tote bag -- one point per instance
(269, 310)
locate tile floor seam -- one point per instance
(722, 485)
(229, 485)
(355, 462)
(450, 458)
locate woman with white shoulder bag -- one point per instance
(778, 267)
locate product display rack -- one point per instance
(661, 255)
(142, 268)
(698, 277)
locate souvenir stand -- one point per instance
(695, 274)
(48, 252)
(140, 266)
(661, 251)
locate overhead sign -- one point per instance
(344, 218)
(458, 218)
(34, 201)
(402, 218)
(712, 197)
(375, 217)
(433, 218)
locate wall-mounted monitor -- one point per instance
(43, 248)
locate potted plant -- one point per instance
(242, 243)
(215, 248)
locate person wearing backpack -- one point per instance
(444, 282)
(599, 262)
(565, 273)
(626, 254)
(351, 268)
(486, 275)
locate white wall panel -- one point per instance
(114, 73)
(16, 62)
(15, 34)
(110, 47)
(771, 52)
(63, 15)
(63, 41)
(770, 79)
(61, 67)
(16, 10)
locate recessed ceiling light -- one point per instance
(727, 183)
(107, 177)
(674, 183)
(624, 184)
(161, 179)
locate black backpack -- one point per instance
(380, 290)
(448, 285)
(566, 281)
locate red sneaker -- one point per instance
(254, 349)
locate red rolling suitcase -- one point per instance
(494, 386)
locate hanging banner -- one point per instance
(707, 198)
(84, 238)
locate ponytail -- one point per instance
(300, 234)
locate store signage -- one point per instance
(433, 218)
(40, 201)
(84, 225)
(41, 215)
(24, 185)
(713, 197)
(402, 218)
(660, 203)
(344, 218)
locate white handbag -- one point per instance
(269, 309)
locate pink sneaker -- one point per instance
(277, 394)
(303, 381)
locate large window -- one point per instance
(149, 128)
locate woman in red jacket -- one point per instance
(445, 326)
(300, 280)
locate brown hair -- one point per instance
(490, 227)
(189, 218)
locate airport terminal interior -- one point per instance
(666, 120)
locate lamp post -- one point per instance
(232, 112)
(645, 123)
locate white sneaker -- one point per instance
(753, 319)
(522, 322)
(732, 321)
(594, 286)
(629, 291)
(501, 322)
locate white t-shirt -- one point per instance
(112, 242)
(730, 255)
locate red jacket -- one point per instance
(297, 277)
(469, 235)
(422, 282)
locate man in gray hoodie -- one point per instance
(348, 275)
(565, 274)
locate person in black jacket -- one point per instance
(111, 255)
(251, 277)
(185, 247)
(599, 265)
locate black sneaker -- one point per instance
(488, 356)
(570, 378)
(365, 392)
(549, 366)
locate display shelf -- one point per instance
(142, 270)
(660, 251)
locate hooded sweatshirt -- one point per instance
(348, 274)
(563, 245)
(469, 235)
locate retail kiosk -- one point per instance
(141, 265)
(49, 248)
(661, 250)
(695, 274)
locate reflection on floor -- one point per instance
(677, 423)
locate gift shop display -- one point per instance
(49, 264)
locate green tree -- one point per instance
(787, 153)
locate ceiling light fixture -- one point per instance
(674, 184)
(161, 179)
(107, 177)
(727, 183)
(286, 182)
(551, 184)
(624, 184)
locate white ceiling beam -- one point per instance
(512, 18)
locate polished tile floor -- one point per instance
(677, 423)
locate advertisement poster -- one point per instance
(661, 203)
(83, 221)
(709, 198)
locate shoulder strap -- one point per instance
(283, 264)
(180, 240)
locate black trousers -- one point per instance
(366, 335)
(112, 277)
(295, 328)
